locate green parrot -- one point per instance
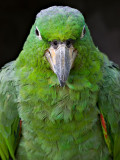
(60, 99)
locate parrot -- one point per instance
(60, 98)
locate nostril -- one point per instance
(55, 44)
(68, 43)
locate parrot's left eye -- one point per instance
(83, 32)
(37, 32)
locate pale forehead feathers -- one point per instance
(58, 9)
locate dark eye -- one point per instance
(83, 32)
(37, 32)
(55, 44)
(68, 43)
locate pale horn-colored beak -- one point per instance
(61, 59)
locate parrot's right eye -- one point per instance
(37, 32)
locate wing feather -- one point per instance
(9, 119)
(109, 103)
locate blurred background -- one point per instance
(17, 17)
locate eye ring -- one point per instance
(37, 32)
(83, 32)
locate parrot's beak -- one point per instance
(61, 61)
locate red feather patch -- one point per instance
(105, 133)
(103, 122)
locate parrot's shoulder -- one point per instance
(114, 66)
(8, 80)
(9, 119)
(7, 71)
(111, 74)
(110, 85)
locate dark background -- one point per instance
(17, 17)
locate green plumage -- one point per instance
(59, 123)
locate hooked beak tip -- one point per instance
(62, 83)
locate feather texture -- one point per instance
(9, 118)
(60, 123)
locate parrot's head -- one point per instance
(58, 40)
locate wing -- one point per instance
(109, 103)
(9, 119)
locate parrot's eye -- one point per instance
(54, 44)
(37, 32)
(83, 32)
